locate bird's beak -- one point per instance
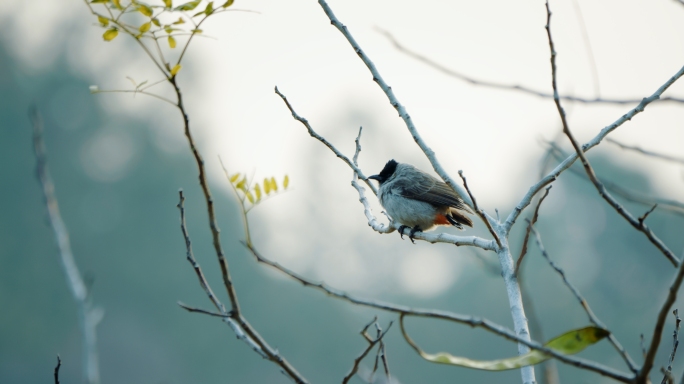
(375, 177)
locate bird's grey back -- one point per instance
(410, 182)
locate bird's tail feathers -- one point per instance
(458, 219)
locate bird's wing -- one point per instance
(430, 190)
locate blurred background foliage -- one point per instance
(120, 209)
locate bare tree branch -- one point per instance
(472, 321)
(479, 211)
(372, 220)
(518, 88)
(590, 171)
(646, 152)
(320, 138)
(642, 376)
(59, 364)
(371, 343)
(89, 316)
(673, 206)
(241, 327)
(551, 177)
(535, 216)
(429, 153)
(585, 305)
(675, 343)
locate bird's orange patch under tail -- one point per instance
(441, 220)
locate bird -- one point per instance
(419, 201)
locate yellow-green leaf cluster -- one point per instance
(254, 193)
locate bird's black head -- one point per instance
(386, 172)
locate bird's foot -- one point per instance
(401, 230)
(413, 232)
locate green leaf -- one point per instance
(249, 197)
(209, 9)
(168, 3)
(99, 1)
(286, 181)
(274, 185)
(117, 3)
(175, 69)
(172, 42)
(198, 31)
(257, 192)
(189, 6)
(110, 34)
(156, 22)
(168, 29)
(145, 10)
(145, 27)
(103, 20)
(568, 343)
(228, 3)
(234, 178)
(179, 21)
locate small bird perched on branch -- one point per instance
(419, 201)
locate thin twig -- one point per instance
(59, 364)
(479, 211)
(472, 321)
(673, 206)
(640, 226)
(517, 88)
(585, 305)
(675, 343)
(646, 152)
(305, 122)
(587, 45)
(191, 258)
(162, 98)
(89, 316)
(371, 343)
(535, 216)
(203, 311)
